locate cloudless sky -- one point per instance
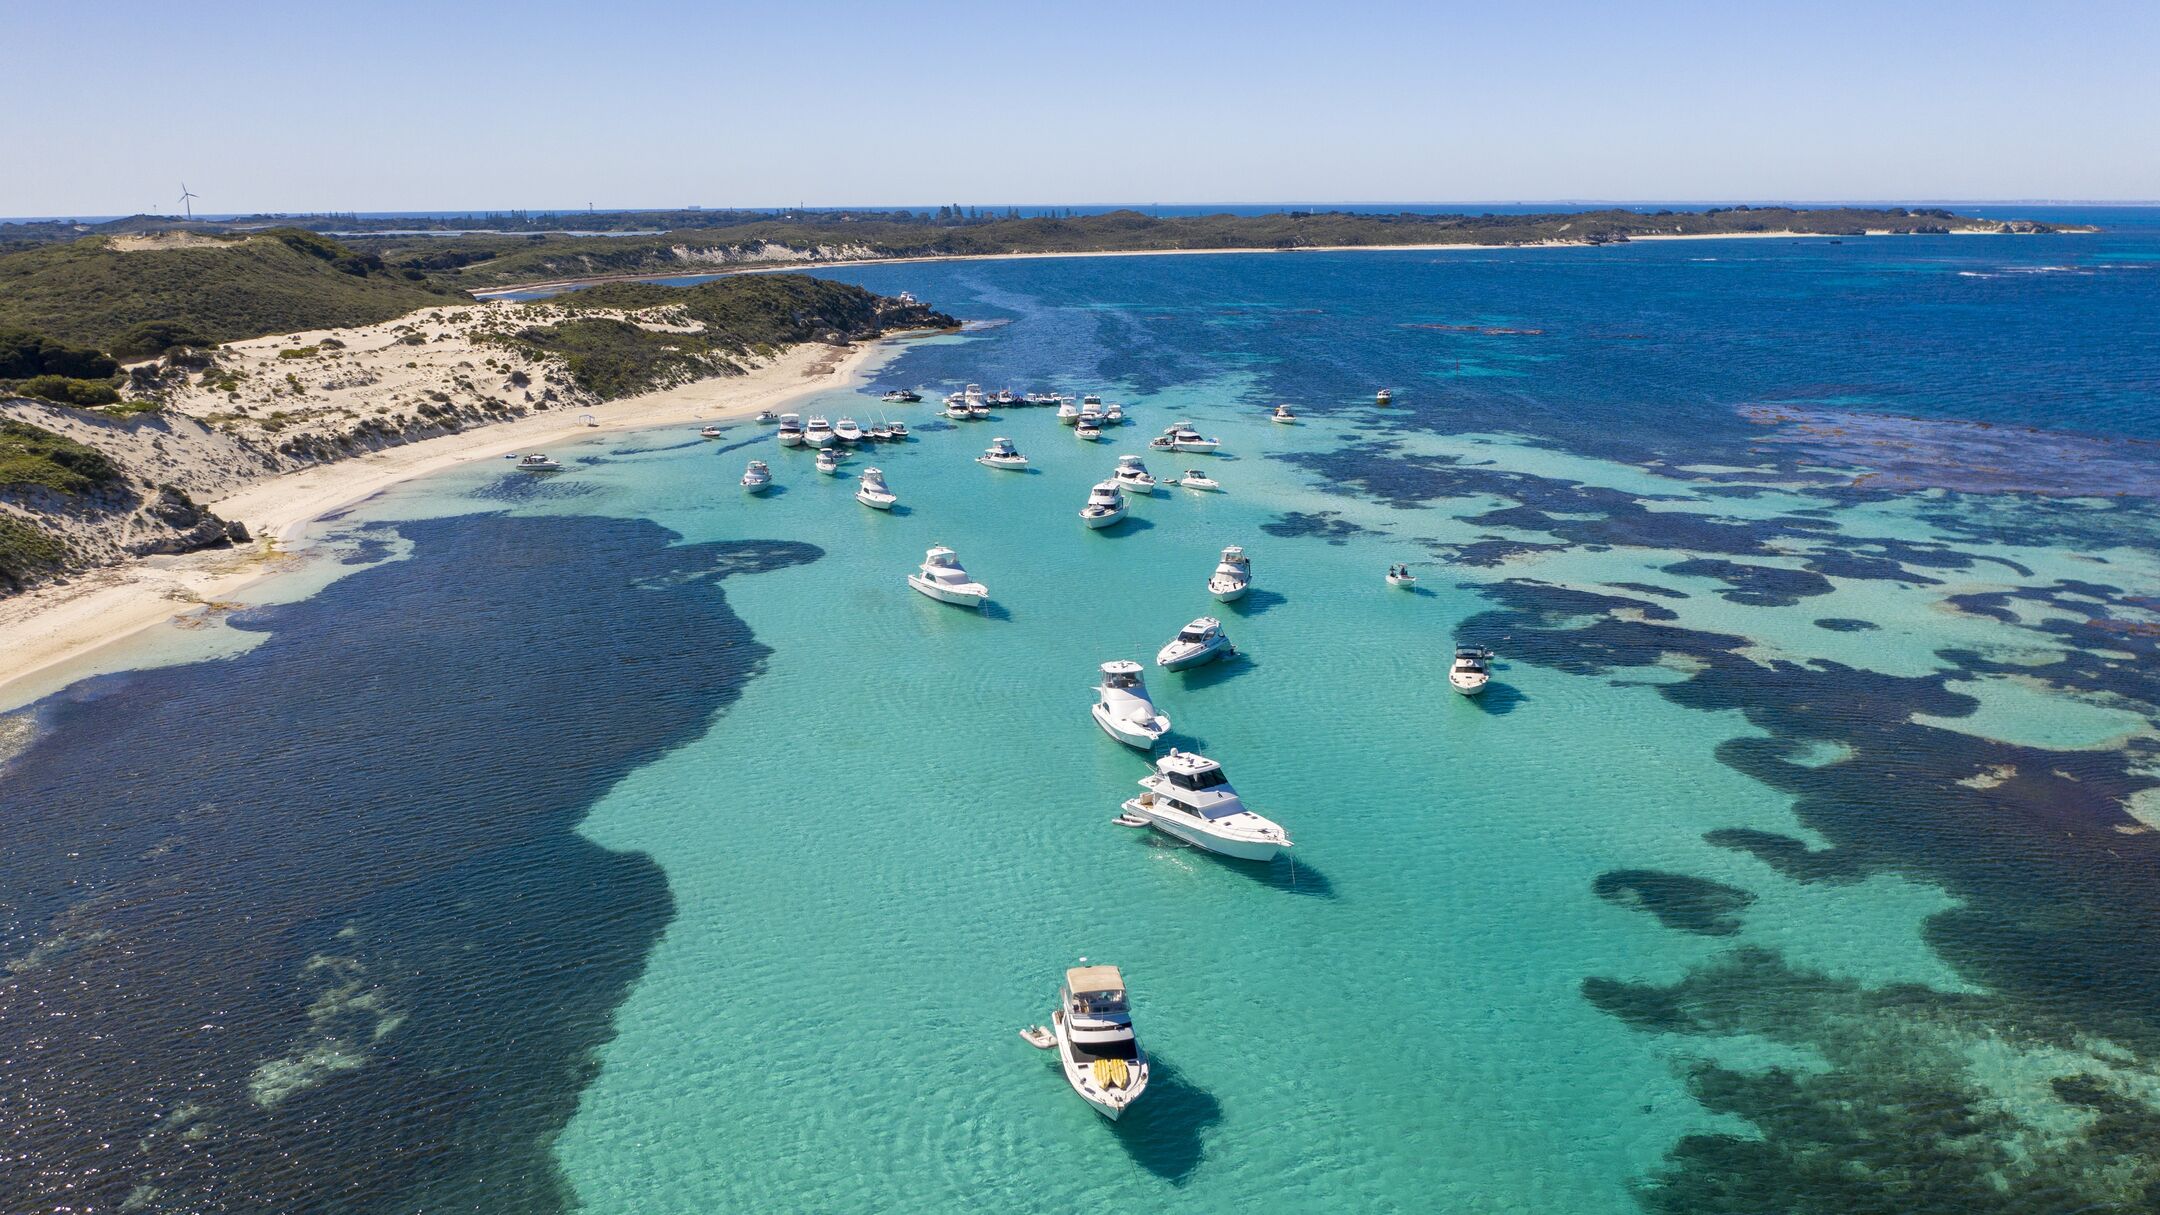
(451, 104)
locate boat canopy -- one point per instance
(1095, 980)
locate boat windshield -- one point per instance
(1123, 1048)
(1193, 635)
(1098, 1002)
(1199, 780)
(1121, 679)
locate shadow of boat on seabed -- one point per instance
(1162, 1132)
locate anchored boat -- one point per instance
(1123, 710)
(1190, 798)
(1101, 1056)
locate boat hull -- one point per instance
(1226, 592)
(1234, 848)
(1169, 661)
(1129, 734)
(966, 599)
(1007, 465)
(1467, 687)
(875, 502)
(1107, 519)
(1075, 1076)
(791, 439)
(756, 487)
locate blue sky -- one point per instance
(543, 104)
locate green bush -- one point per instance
(27, 550)
(157, 337)
(34, 456)
(24, 355)
(61, 390)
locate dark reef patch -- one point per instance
(1901, 1120)
(1327, 524)
(1493, 551)
(1846, 624)
(1755, 585)
(310, 928)
(1678, 900)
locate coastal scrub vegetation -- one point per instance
(709, 327)
(24, 355)
(135, 302)
(26, 551)
(34, 457)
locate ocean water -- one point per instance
(618, 842)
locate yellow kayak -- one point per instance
(1112, 1073)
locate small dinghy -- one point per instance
(1400, 576)
(1039, 1037)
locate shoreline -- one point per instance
(558, 285)
(51, 629)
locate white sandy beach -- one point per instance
(47, 629)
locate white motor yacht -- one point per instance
(1133, 475)
(901, 396)
(1123, 710)
(881, 433)
(1201, 641)
(899, 431)
(1105, 505)
(847, 430)
(1002, 454)
(1285, 415)
(942, 578)
(1162, 443)
(791, 430)
(973, 395)
(978, 409)
(757, 478)
(710, 432)
(955, 408)
(538, 463)
(1383, 397)
(1189, 797)
(1101, 1057)
(1400, 577)
(819, 433)
(1186, 439)
(1088, 431)
(1113, 414)
(828, 461)
(1090, 399)
(1195, 479)
(1091, 415)
(1068, 411)
(1232, 577)
(1471, 670)
(873, 491)
(767, 416)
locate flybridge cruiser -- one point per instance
(1185, 439)
(1105, 505)
(1201, 641)
(1133, 475)
(873, 492)
(1091, 414)
(1088, 431)
(1113, 414)
(538, 463)
(1232, 576)
(1068, 411)
(1099, 1053)
(847, 431)
(943, 579)
(819, 433)
(955, 408)
(828, 461)
(1002, 454)
(978, 409)
(1123, 710)
(1189, 797)
(1471, 670)
(757, 478)
(791, 430)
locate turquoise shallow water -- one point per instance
(1788, 865)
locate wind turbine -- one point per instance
(186, 200)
